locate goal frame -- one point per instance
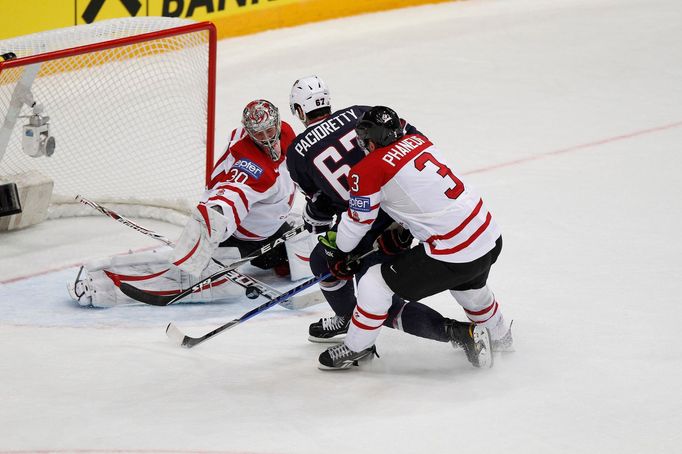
(144, 37)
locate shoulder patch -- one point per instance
(249, 167)
(359, 203)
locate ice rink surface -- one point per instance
(565, 114)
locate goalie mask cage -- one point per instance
(130, 104)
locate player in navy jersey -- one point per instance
(319, 161)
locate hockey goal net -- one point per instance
(128, 105)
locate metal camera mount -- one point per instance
(36, 139)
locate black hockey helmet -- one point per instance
(381, 125)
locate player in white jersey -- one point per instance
(245, 205)
(407, 177)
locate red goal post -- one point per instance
(127, 106)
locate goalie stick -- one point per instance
(177, 336)
(164, 300)
(125, 221)
(254, 288)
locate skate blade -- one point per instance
(344, 367)
(347, 366)
(327, 340)
(482, 340)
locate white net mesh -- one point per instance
(130, 122)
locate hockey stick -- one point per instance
(125, 221)
(183, 340)
(254, 288)
(164, 300)
(174, 333)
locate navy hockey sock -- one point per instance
(417, 319)
(342, 301)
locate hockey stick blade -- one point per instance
(174, 334)
(299, 302)
(145, 297)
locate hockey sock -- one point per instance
(341, 300)
(417, 319)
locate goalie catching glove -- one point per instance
(395, 240)
(204, 231)
(339, 262)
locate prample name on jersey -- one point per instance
(402, 149)
(335, 123)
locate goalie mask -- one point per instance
(381, 125)
(310, 94)
(261, 121)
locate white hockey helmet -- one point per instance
(310, 93)
(261, 121)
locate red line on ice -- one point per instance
(574, 148)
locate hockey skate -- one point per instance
(329, 329)
(81, 288)
(341, 357)
(474, 339)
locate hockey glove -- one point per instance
(338, 261)
(395, 241)
(318, 216)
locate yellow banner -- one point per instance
(232, 17)
(31, 16)
(211, 9)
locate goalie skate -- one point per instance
(81, 289)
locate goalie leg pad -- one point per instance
(151, 271)
(204, 231)
(103, 275)
(299, 249)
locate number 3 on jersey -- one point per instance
(355, 184)
(443, 171)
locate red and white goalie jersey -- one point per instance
(254, 192)
(410, 181)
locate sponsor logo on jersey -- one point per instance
(358, 203)
(248, 167)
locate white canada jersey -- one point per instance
(254, 192)
(411, 182)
